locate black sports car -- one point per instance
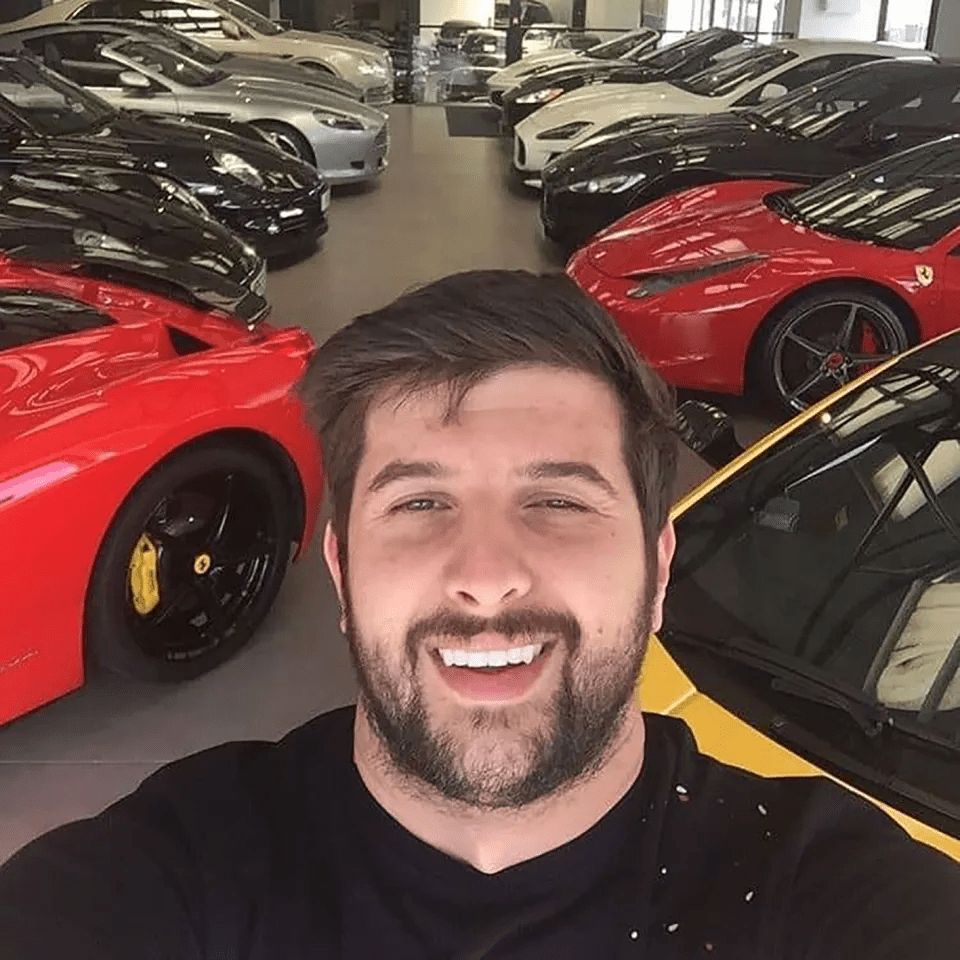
(683, 58)
(129, 227)
(269, 198)
(815, 133)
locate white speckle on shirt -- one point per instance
(708, 947)
(673, 927)
(767, 834)
(681, 789)
(762, 809)
(663, 871)
(750, 895)
(634, 934)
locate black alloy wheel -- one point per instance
(191, 565)
(824, 341)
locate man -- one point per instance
(500, 466)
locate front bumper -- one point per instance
(279, 223)
(348, 156)
(571, 218)
(379, 95)
(531, 155)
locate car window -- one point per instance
(934, 111)
(727, 77)
(27, 317)
(807, 72)
(77, 57)
(166, 62)
(836, 553)
(187, 17)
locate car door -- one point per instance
(74, 54)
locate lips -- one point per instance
(489, 675)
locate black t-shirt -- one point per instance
(262, 851)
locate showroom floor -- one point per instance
(445, 204)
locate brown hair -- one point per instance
(455, 332)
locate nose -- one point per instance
(487, 568)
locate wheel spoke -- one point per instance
(169, 607)
(810, 346)
(223, 511)
(811, 381)
(862, 359)
(846, 331)
(213, 609)
(228, 559)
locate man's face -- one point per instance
(496, 598)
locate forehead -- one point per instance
(519, 412)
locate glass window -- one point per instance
(190, 16)
(908, 201)
(720, 81)
(807, 72)
(908, 22)
(166, 62)
(27, 318)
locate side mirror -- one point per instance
(230, 29)
(134, 80)
(708, 432)
(773, 91)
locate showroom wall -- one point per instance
(613, 14)
(840, 19)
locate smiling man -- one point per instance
(500, 466)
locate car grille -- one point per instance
(521, 152)
(497, 97)
(382, 138)
(378, 93)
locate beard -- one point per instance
(494, 758)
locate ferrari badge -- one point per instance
(925, 275)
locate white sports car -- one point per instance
(622, 47)
(761, 73)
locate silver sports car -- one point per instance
(347, 141)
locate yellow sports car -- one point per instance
(813, 621)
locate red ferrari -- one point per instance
(156, 475)
(794, 290)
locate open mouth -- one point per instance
(501, 674)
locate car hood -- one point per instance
(286, 97)
(261, 68)
(588, 70)
(290, 40)
(534, 65)
(601, 105)
(717, 222)
(127, 224)
(681, 137)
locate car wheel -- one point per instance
(190, 566)
(824, 340)
(288, 139)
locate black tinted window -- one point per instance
(808, 72)
(184, 16)
(31, 317)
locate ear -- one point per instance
(666, 546)
(331, 553)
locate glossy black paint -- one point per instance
(187, 153)
(567, 77)
(688, 151)
(130, 227)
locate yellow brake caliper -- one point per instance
(144, 585)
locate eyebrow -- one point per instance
(406, 470)
(570, 469)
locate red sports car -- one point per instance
(156, 470)
(794, 290)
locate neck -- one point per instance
(492, 840)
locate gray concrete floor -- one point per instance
(444, 205)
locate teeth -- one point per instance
(491, 658)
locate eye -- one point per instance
(560, 503)
(418, 505)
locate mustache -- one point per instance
(510, 624)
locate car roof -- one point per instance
(819, 48)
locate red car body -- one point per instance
(85, 416)
(701, 335)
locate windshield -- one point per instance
(666, 58)
(838, 548)
(909, 201)
(483, 43)
(617, 47)
(184, 45)
(47, 103)
(814, 109)
(166, 62)
(719, 81)
(255, 21)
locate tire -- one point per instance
(288, 139)
(824, 339)
(202, 565)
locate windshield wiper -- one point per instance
(786, 676)
(782, 204)
(854, 233)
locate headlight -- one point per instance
(612, 183)
(567, 132)
(234, 166)
(371, 69)
(652, 284)
(541, 96)
(94, 240)
(337, 121)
